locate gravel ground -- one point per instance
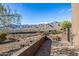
(8, 49)
(50, 47)
(57, 48)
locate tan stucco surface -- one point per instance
(75, 24)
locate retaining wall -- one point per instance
(30, 51)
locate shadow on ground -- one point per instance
(45, 48)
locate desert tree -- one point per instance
(66, 25)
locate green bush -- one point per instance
(46, 33)
(3, 36)
(55, 32)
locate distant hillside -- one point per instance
(39, 27)
(42, 27)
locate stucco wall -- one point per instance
(75, 24)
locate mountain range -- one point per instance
(41, 27)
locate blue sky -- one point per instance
(36, 13)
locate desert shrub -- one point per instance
(57, 38)
(46, 33)
(3, 36)
(41, 31)
(55, 32)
